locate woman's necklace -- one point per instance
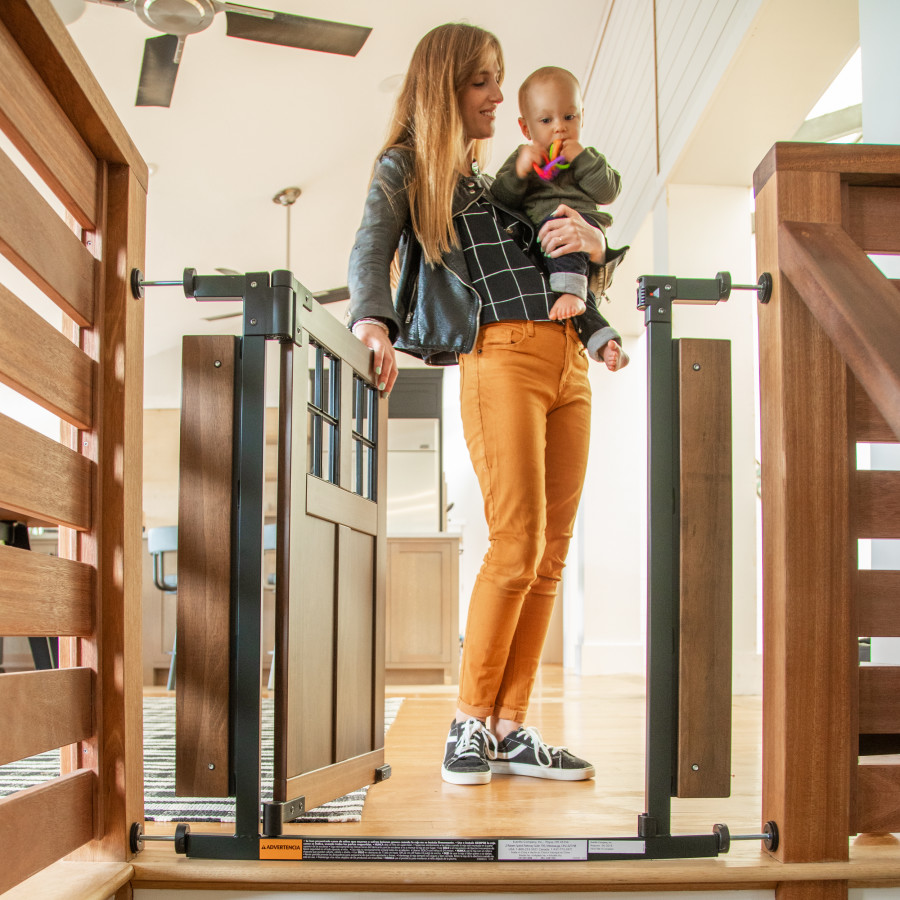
(475, 168)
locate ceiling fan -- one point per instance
(177, 19)
(286, 197)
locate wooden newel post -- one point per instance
(808, 555)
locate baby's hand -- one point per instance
(614, 356)
(528, 157)
(570, 149)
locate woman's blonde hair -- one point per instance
(426, 120)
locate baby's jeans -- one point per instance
(569, 272)
(525, 400)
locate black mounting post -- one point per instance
(655, 296)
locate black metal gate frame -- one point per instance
(270, 312)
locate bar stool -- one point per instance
(161, 541)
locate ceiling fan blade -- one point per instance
(335, 295)
(296, 31)
(158, 70)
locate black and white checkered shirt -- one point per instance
(508, 282)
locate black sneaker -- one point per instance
(465, 760)
(523, 752)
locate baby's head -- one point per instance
(550, 106)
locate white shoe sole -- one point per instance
(511, 768)
(465, 777)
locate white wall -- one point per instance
(709, 231)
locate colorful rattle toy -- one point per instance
(552, 162)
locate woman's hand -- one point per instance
(572, 234)
(384, 361)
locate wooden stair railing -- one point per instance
(830, 377)
(75, 238)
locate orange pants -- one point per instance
(526, 402)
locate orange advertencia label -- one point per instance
(280, 848)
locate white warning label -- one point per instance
(610, 848)
(549, 849)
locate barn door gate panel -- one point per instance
(330, 562)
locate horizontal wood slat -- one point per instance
(42, 824)
(877, 504)
(873, 214)
(878, 603)
(59, 377)
(328, 501)
(37, 241)
(42, 480)
(879, 699)
(33, 120)
(853, 303)
(877, 799)
(322, 785)
(43, 710)
(44, 596)
(869, 424)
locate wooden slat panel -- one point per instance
(353, 664)
(327, 501)
(40, 478)
(870, 424)
(879, 700)
(202, 661)
(878, 603)
(42, 824)
(59, 377)
(877, 505)
(43, 711)
(873, 216)
(43, 134)
(320, 786)
(37, 241)
(705, 569)
(44, 596)
(852, 302)
(45, 40)
(877, 799)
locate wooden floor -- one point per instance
(599, 718)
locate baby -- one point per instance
(551, 113)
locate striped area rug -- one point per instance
(160, 802)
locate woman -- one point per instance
(470, 289)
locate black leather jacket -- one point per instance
(435, 311)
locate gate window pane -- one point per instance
(363, 444)
(323, 404)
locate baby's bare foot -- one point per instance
(566, 306)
